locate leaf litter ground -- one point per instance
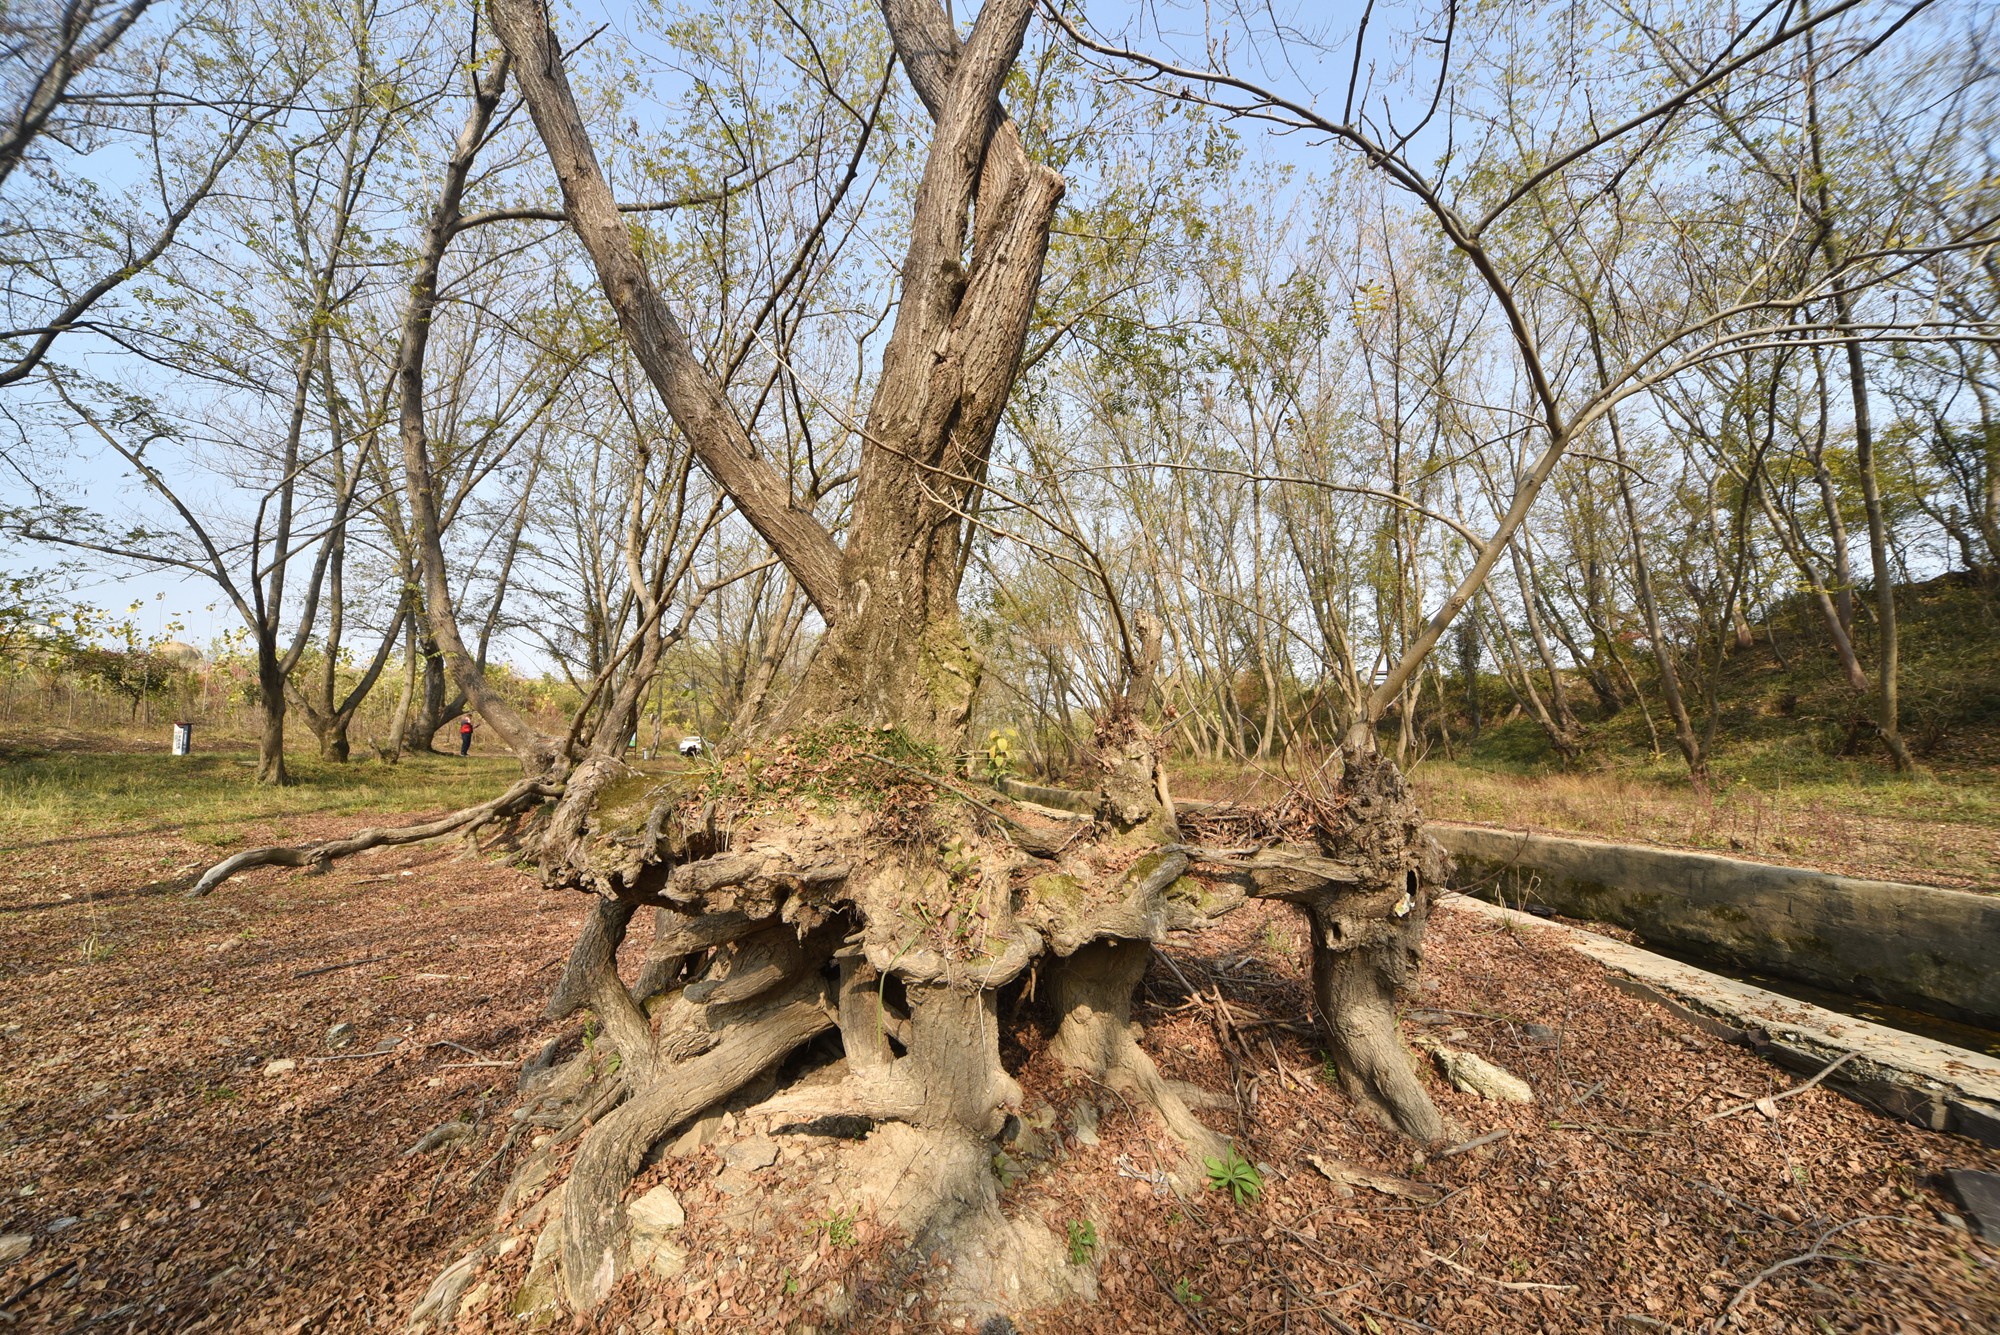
(167, 1182)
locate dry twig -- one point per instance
(1817, 1252)
(1476, 1142)
(1760, 1104)
(1513, 1285)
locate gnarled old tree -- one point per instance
(844, 881)
(902, 915)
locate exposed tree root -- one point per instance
(936, 1186)
(1093, 992)
(782, 922)
(317, 857)
(590, 979)
(1365, 891)
(1355, 989)
(897, 917)
(593, 1234)
(805, 921)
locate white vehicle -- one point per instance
(692, 746)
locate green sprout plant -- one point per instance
(837, 1228)
(999, 755)
(961, 861)
(1236, 1175)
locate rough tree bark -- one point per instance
(895, 652)
(428, 700)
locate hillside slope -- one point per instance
(1799, 776)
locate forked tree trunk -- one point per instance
(329, 717)
(427, 708)
(444, 648)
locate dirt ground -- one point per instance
(170, 1178)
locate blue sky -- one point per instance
(165, 597)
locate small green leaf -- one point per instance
(1236, 1175)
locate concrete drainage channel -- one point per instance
(1917, 947)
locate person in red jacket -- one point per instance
(465, 735)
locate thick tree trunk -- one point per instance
(446, 644)
(895, 653)
(1093, 992)
(427, 709)
(898, 661)
(271, 737)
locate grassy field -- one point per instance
(1786, 717)
(1845, 815)
(214, 800)
(1795, 779)
(1928, 830)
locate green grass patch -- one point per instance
(214, 798)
